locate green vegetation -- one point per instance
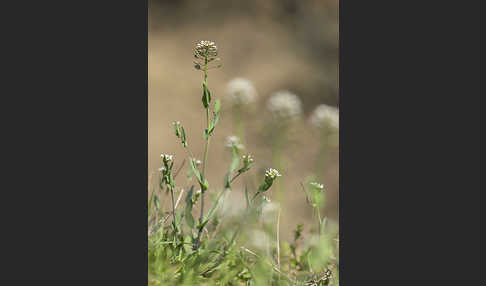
(227, 246)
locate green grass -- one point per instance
(198, 242)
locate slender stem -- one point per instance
(205, 159)
(173, 208)
(236, 176)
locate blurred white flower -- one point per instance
(317, 185)
(162, 169)
(284, 105)
(241, 91)
(233, 141)
(325, 116)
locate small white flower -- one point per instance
(161, 169)
(197, 162)
(241, 91)
(233, 141)
(284, 105)
(166, 158)
(325, 116)
(248, 158)
(272, 173)
(317, 185)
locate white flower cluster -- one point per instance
(317, 185)
(166, 158)
(325, 116)
(284, 105)
(272, 173)
(241, 91)
(233, 141)
(248, 158)
(205, 48)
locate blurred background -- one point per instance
(277, 45)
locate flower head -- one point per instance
(241, 91)
(166, 158)
(247, 158)
(205, 49)
(317, 185)
(272, 174)
(284, 105)
(233, 141)
(325, 116)
(247, 162)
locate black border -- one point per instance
(75, 191)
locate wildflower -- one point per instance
(284, 105)
(325, 116)
(317, 185)
(177, 128)
(233, 141)
(241, 91)
(162, 169)
(247, 158)
(166, 158)
(197, 162)
(247, 162)
(205, 49)
(271, 174)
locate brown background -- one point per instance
(277, 45)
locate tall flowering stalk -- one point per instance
(205, 53)
(326, 120)
(285, 108)
(241, 93)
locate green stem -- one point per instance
(205, 154)
(173, 209)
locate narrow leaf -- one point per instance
(188, 211)
(247, 196)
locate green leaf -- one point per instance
(235, 160)
(150, 202)
(206, 98)
(184, 139)
(217, 106)
(196, 171)
(206, 134)
(156, 202)
(227, 184)
(188, 210)
(247, 196)
(204, 186)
